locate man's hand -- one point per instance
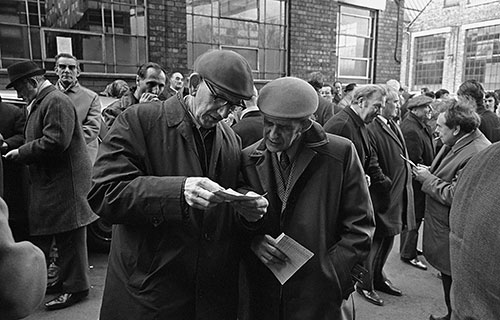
(148, 97)
(421, 173)
(199, 193)
(265, 249)
(251, 210)
(12, 155)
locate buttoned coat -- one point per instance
(349, 125)
(59, 166)
(388, 146)
(88, 110)
(440, 189)
(328, 211)
(167, 260)
(474, 238)
(420, 146)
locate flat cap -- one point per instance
(227, 71)
(419, 101)
(288, 98)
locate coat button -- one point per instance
(207, 237)
(156, 221)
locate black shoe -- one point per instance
(65, 300)
(370, 296)
(415, 262)
(54, 287)
(446, 317)
(388, 288)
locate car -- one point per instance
(99, 232)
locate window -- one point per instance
(482, 56)
(355, 44)
(256, 29)
(106, 36)
(451, 3)
(429, 62)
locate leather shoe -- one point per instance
(446, 317)
(388, 288)
(370, 296)
(65, 300)
(54, 287)
(415, 262)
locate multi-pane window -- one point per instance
(355, 44)
(482, 56)
(107, 36)
(254, 28)
(429, 62)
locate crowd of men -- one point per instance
(341, 171)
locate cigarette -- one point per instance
(437, 138)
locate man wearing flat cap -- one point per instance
(420, 145)
(176, 244)
(318, 196)
(60, 173)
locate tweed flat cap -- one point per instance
(419, 101)
(288, 98)
(227, 71)
(23, 70)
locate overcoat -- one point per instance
(250, 128)
(420, 146)
(167, 260)
(59, 166)
(474, 238)
(490, 124)
(388, 146)
(328, 211)
(440, 189)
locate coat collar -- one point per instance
(460, 144)
(355, 117)
(389, 131)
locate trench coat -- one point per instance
(474, 238)
(440, 189)
(58, 163)
(167, 260)
(387, 147)
(328, 211)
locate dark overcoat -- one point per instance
(388, 146)
(440, 189)
(490, 124)
(250, 128)
(167, 260)
(420, 146)
(59, 166)
(328, 210)
(474, 238)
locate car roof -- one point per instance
(10, 96)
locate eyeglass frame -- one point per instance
(232, 105)
(71, 67)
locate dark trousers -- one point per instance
(381, 247)
(446, 279)
(72, 258)
(408, 242)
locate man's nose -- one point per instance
(223, 111)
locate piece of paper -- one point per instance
(231, 195)
(297, 255)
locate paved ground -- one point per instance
(422, 295)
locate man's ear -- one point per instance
(194, 83)
(137, 79)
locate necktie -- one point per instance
(285, 167)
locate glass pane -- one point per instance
(33, 13)
(92, 48)
(202, 29)
(14, 42)
(273, 36)
(199, 49)
(126, 69)
(354, 11)
(189, 28)
(354, 47)
(109, 50)
(125, 20)
(239, 33)
(84, 46)
(126, 50)
(273, 12)
(36, 49)
(354, 68)
(355, 26)
(273, 61)
(142, 50)
(250, 54)
(13, 12)
(203, 7)
(238, 9)
(88, 67)
(108, 21)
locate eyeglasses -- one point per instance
(224, 101)
(64, 66)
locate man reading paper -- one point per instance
(318, 196)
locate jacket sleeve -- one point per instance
(92, 123)
(58, 125)
(380, 183)
(356, 223)
(17, 139)
(123, 189)
(440, 190)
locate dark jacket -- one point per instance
(420, 146)
(250, 128)
(490, 124)
(328, 211)
(113, 110)
(167, 260)
(59, 166)
(349, 125)
(439, 189)
(324, 111)
(397, 200)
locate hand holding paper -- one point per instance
(251, 206)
